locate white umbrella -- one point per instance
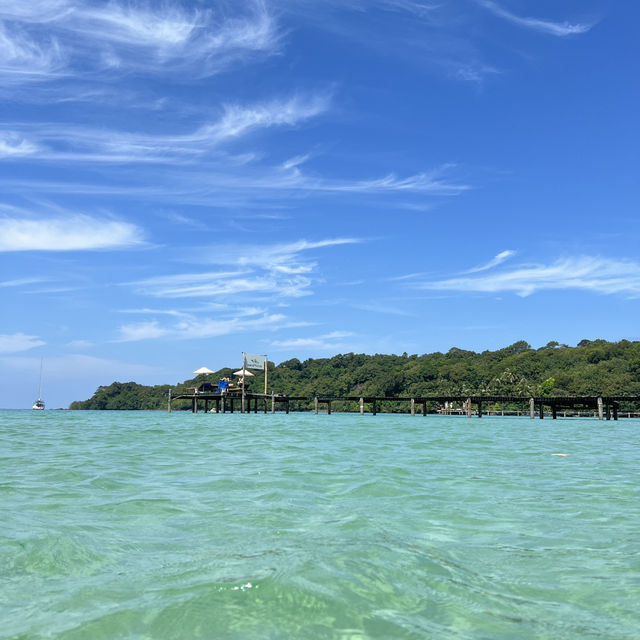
(202, 370)
(242, 372)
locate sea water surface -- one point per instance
(153, 525)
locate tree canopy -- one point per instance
(594, 367)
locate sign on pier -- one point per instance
(254, 361)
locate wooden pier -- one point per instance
(603, 406)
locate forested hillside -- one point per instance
(594, 367)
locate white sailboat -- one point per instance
(39, 404)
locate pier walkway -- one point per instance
(602, 406)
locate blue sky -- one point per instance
(184, 181)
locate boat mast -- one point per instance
(40, 382)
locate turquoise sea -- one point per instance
(148, 525)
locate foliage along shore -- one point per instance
(593, 367)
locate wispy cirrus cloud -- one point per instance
(56, 142)
(59, 35)
(158, 312)
(268, 182)
(544, 26)
(34, 11)
(238, 120)
(16, 342)
(222, 283)
(159, 27)
(199, 327)
(284, 258)
(70, 232)
(175, 38)
(431, 182)
(228, 182)
(437, 36)
(280, 270)
(494, 262)
(262, 274)
(586, 273)
(213, 327)
(200, 161)
(22, 282)
(23, 59)
(421, 9)
(13, 145)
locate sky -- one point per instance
(182, 181)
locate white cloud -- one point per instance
(141, 331)
(221, 182)
(161, 312)
(80, 344)
(261, 275)
(81, 144)
(200, 327)
(473, 73)
(434, 35)
(431, 182)
(296, 161)
(294, 180)
(494, 262)
(544, 26)
(14, 343)
(34, 11)
(23, 59)
(325, 342)
(280, 270)
(203, 285)
(146, 37)
(73, 232)
(383, 308)
(12, 145)
(238, 120)
(283, 257)
(21, 282)
(160, 27)
(599, 275)
(422, 9)
(214, 327)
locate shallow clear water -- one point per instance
(154, 525)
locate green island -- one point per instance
(593, 367)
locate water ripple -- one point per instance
(150, 525)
